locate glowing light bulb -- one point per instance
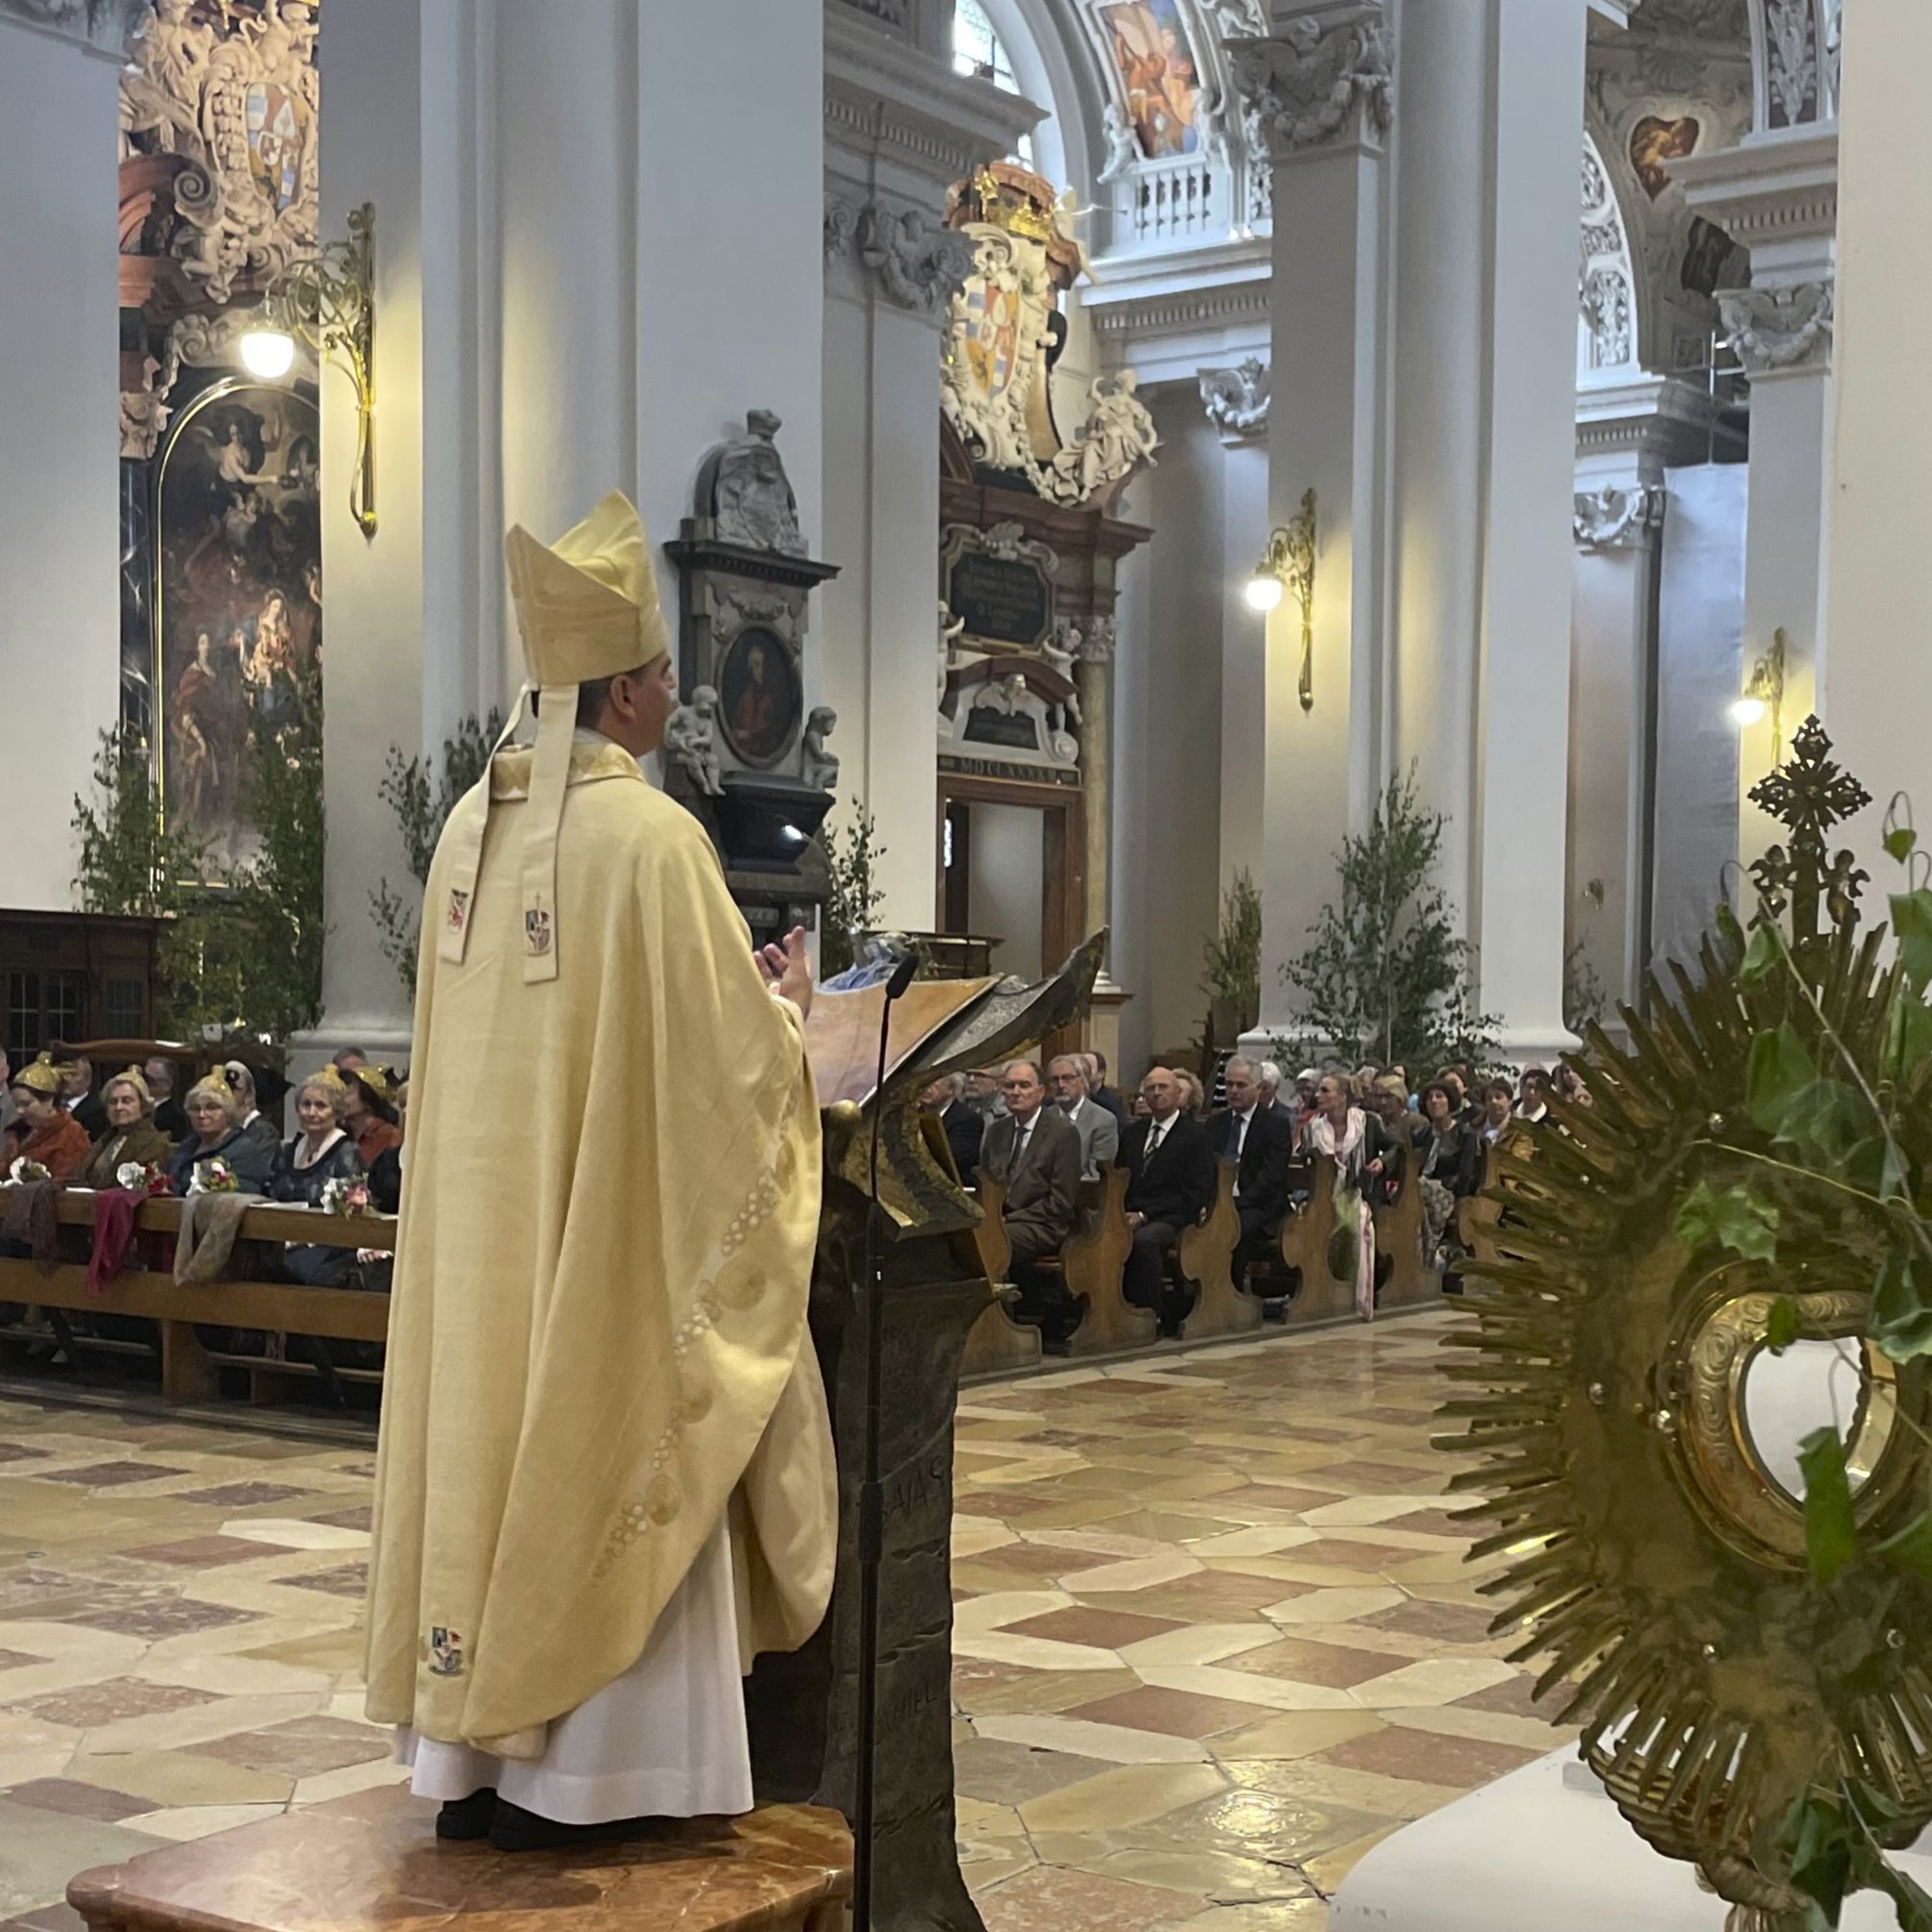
(269, 353)
(1264, 592)
(1747, 712)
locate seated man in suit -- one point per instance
(1099, 1132)
(965, 1128)
(1171, 1167)
(1258, 1140)
(1036, 1150)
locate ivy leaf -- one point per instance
(1782, 1326)
(1829, 1125)
(1914, 1906)
(1831, 1540)
(1910, 1549)
(1763, 955)
(1901, 1309)
(1908, 1033)
(1780, 1070)
(1738, 1219)
(1899, 841)
(1911, 923)
(1818, 1834)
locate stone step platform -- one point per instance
(372, 1863)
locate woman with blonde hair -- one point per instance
(215, 1133)
(131, 1134)
(321, 1152)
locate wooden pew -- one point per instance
(1094, 1262)
(1206, 1258)
(190, 1372)
(997, 1344)
(1304, 1247)
(1399, 1235)
(1478, 1217)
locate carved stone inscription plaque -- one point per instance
(1003, 600)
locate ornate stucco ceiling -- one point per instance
(1718, 23)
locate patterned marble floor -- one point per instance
(1215, 1635)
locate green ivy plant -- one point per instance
(422, 799)
(1845, 1123)
(1385, 977)
(854, 899)
(1231, 960)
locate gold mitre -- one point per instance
(587, 605)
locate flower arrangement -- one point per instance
(214, 1177)
(139, 1178)
(24, 1170)
(345, 1197)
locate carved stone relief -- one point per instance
(110, 25)
(243, 108)
(1614, 519)
(1314, 85)
(914, 261)
(750, 496)
(1237, 399)
(1792, 70)
(1607, 289)
(1775, 330)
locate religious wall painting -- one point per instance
(238, 610)
(1707, 254)
(1655, 142)
(1148, 42)
(759, 700)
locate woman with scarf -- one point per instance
(321, 1152)
(130, 1136)
(43, 1131)
(369, 1119)
(1350, 1140)
(215, 1133)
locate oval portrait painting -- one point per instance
(758, 697)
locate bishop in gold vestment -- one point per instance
(605, 1479)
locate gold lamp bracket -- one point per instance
(1291, 558)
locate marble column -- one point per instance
(1777, 194)
(1324, 432)
(900, 128)
(551, 324)
(1875, 673)
(60, 648)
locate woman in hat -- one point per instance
(43, 1130)
(131, 1134)
(215, 1133)
(370, 1118)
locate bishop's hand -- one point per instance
(787, 971)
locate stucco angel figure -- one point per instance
(820, 769)
(1060, 658)
(690, 741)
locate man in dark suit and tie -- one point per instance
(1171, 1185)
(965, 1128)
(1035, 1149)
(1258, 1140)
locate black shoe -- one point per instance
(468, 1817)
(514, 1829)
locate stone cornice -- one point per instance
(883, 98)
(1771, 189)
(1193, 289)
(1659, 420)
(105, 27)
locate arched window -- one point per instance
(976, 51)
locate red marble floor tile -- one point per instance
(206, 1552)
(73, 1799)
(1175, 1714)
(107, 1475)
(1102, 1630)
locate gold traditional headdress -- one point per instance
(587, 607)
(40, 1076)
(134, 1077)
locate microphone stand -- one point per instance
(871, 1499)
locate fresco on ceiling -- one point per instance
(1655, 143)
(1148, 44)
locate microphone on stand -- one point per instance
(871, 1500)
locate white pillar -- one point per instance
(551, 323)
(60, 606)
(1244, 747)
(901, 128)
(1876, 674)
(1523, 684)
(1324, 433)
(1777, 194)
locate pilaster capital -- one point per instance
(1236, 400)
(1780, 331)
(1612, 518)
(902, 255)
(1323, 80)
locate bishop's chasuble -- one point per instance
(598, 1362)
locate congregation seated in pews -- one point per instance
(127, 1241)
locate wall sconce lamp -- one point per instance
(328, 300)
(1764, 692)
(1289, 568)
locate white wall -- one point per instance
(1006, 884)
(60, 610)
